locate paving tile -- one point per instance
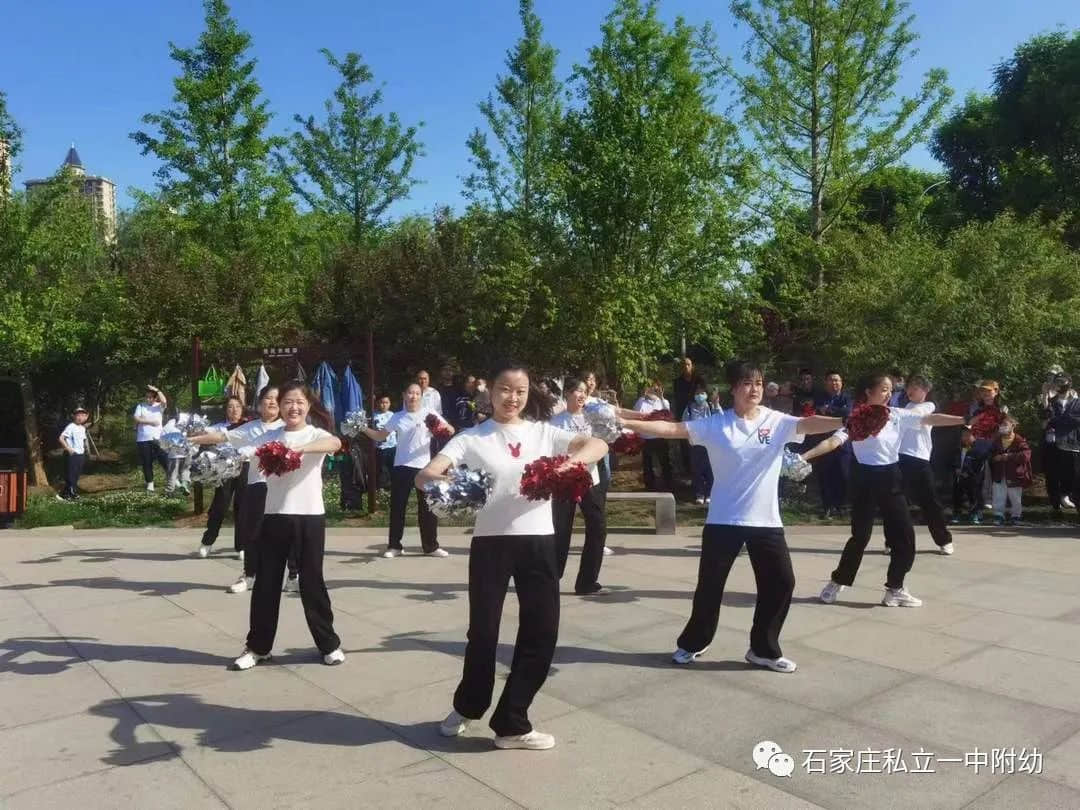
(1024, 676)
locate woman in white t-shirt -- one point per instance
(512, 537)
(877, 485)
(593, 505)
(746, 449)
(411, 455)
(246, 438)
(295, 515)
(148, 418)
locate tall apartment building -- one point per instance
(101, 191)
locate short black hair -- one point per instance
(805, 371)
(738, 370)
(834, 371)
(895, 372)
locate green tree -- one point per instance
(357, 162)
(821, 99)
(1017, 147)
(519, 174)
(652, 186)
(10, 146)
(212, 144)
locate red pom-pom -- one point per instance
(659, 416)
(277, 459)
(437, 427)
(542, 480)
(986, 422)
(808, 409)
(866, 421)
(628, 444)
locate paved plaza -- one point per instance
(114, 690)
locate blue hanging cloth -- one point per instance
(325, 385)
(351, 395)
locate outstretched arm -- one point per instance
(210, 437)
(811, 425)
(826, 446)
(375, 433)
(327, 444)
(586, 450)
(943, 420)
(658, 429)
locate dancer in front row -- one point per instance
(295, 515)
(915, 449)
(877, 485)
(413, 452)
(746, 449)
(593, 505)
(513, 537)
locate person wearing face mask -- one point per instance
(651, 400)
(877, 486)
(1010, 467)
(1060, 407)
(833, 470)
(700, 471)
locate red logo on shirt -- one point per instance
(515, 449)
(764, 435)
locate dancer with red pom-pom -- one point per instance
(513, 537)
(746, 451)
(875, 431)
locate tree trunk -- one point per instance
(35, 463)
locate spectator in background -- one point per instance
(481, 401)
(149, 417)
(772, 393)
(714, 400)
(651, 400)
(429, 397)
(804, 398)
(73, 440)
(984, 415)
(386, 448)
(465, 404)
(450, 386)
(968, 472)
(833, 468)
(1010, 467)
(682, 391)
(179, 462)
(701, 474)
(899, 397)
(784, 400)
(1060, 408)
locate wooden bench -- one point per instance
(665, 507)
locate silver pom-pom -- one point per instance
(192, 424)
(354, 423)
(215, 465)
(462, 495)
(602, 421)
(794, 467)
(175, 444)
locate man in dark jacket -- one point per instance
(832, 470)
(682, 391)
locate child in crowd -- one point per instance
(968, 470)
(179, 467)
(386, 447)
(73, 440)
(1010, 467)
(700, 469)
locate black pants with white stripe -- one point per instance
(775, 579)
(878, 489)
(279, 534)
(921, 491)
(594, 511)
(493, 560)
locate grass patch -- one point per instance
(112, 509)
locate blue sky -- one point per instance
(86, 72)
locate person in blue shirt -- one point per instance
(384, 449)
(832, 470)
(700, 471)
(899, 398)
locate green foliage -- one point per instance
(357, 163)
(996, 299)
(129, 508)
(1016, 148)
(11, 136)
(821, 101)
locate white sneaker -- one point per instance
(608, 552)
(899, 597)
(947, 549)
(292, 585)
(150, 487)
(780, 664)
(708, 501)
(454, 725)
(533, 741)
(240, 556)
(204, 551)
(699, 501)
(830, 592)
(1067, 502)
(334, 658)
(439, 552)
(681, 656)
(242, 584)
(390, 553)
(248, 660)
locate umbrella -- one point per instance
(351, 396)
(325, 386)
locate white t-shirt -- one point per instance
(883, 449)
(413, 437)
(246, 438)
(746, 457)
(916, 440)
(646, 405)
(575, 423)
(148, 433)
(504, 450)
(75, 436)
(432, 400)
(298, 492)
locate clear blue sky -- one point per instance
(86, 72)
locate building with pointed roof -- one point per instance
(100, 190)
